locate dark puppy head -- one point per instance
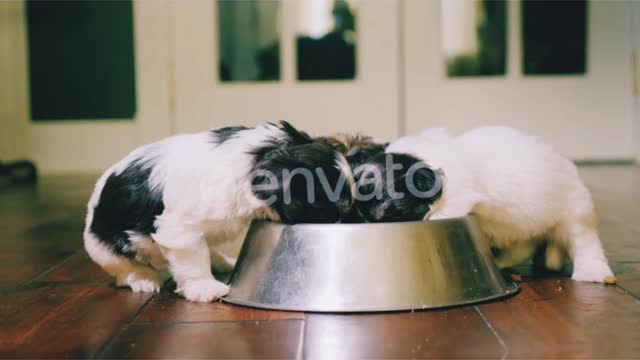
(394, 187)
(303, 180)
(357, 148)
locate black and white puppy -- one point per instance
(170, 203)
(393, 188)
(359, 150)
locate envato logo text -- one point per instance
(367, 173)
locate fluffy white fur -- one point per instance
(208, 200)
(521, 192)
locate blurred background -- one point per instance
(84, 82)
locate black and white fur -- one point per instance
(385, 207)
(169, 204)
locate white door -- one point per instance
(83, 145)
(241, 63)
(587, 114)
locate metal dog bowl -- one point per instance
(365, 267)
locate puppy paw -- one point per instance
(203, 290)
(141, 280)
(593, 271)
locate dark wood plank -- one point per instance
(454, 333)
(166, 306)
(68, 320)
(18, 268)
(561, 318)
(170, 307)
(30, 251)
(53, 197)
(78, 268)
(42, 226)
(628, 275)
(244, 339)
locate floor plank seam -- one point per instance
(208, 322)
(628, 292)
(54, 267)
(105, 346)
(33, 282)
(23, 287)
(52, 314)
(503, 344)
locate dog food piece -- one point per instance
(610, 280)
(516, 277)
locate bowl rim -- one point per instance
(393, 223)
(511, 288)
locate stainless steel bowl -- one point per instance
(365, 267)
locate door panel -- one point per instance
(585, 116)
(369, 103)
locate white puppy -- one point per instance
(170, 203)
(520, 191)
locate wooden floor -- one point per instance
(55, 303)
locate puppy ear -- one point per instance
(297, 137)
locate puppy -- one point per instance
(394, 188)
(520, 191)
(357, 148)
(165, 204)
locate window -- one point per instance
(554, 37)
(326, 40)
(249, 40)
(474, 37)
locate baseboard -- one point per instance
(601, 162)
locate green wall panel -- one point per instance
(81, 59)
